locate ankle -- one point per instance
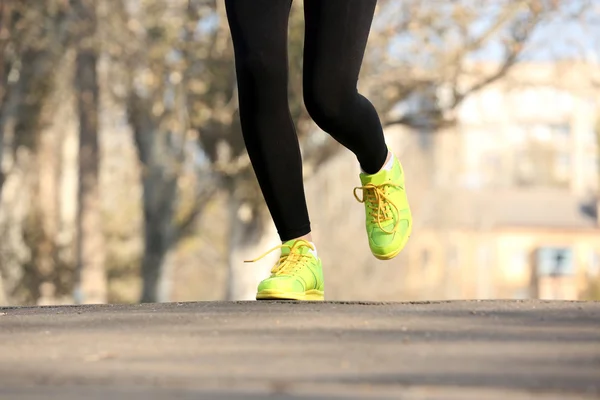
(387, 164)
(307, 237)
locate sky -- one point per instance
(572, 34)
(563, 37)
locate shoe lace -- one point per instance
(379, 204)
(291, 262)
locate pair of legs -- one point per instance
(335, 40)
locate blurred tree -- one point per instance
(5, 37)
(597, 129)
(180, 86)
(149, 45)
(424, 57)
(34, 37)
(170, 64)
(90, 271)
(213, 110)
(417, 62)
(536, 165)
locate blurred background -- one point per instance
(124, 177)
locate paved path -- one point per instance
(276, 350)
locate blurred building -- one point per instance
(504, 203)
(512, 243)
(513, 209)
(537, 127)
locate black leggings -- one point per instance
(335, 40)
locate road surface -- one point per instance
(277, 350)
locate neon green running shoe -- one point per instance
(389, 221)
(298, 275)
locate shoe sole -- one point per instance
(389, 256)
(310, 295)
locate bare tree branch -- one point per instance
(521, 32)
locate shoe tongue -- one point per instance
(302, 249)
(376, 179)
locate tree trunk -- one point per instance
(160, 192)
(597, 129)
(156, 275)
(157, 240)
(151, 272)
(5, 14)
(91, 286)
(251, 234)
(34, 87)
(1, 159)
(159, 183)
(47, 204)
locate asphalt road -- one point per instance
(278, 350)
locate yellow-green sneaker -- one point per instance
(389, 221)
(298, 275)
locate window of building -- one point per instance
(555, 261)
(563, 167)
(521, 294)
(524, 169)
(590, 138)
(561, 131)
(517, 135)
(517, 265)
(544, 158)
(541, 133)
(519, 257)
(592, 165)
